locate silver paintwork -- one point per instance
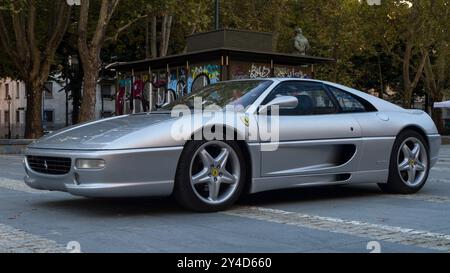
(141, 156)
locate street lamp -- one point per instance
(217, 14)
(73, 74)
(8, 99)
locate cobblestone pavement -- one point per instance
(325, 219)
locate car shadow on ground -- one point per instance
(113, 207)
(310, 194)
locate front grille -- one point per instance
(49, 165)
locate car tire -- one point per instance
(408, 166)
(209, 188)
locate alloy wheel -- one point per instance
(215, 172)
(412, 162)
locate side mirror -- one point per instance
(283, 102)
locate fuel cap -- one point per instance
(383, 117)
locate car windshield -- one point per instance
(233, 93)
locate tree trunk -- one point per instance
(276, 25)
(89, 51)
(153, 40)
(32, 52)
(408, 84)
(434, 80)
(87, 110)
(33, 116)
(407, 96)
(167, 37)
(147, 38)
(436, 115)
(162, 45)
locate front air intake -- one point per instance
(49, 165)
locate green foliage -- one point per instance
(368, 42)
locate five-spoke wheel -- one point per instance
(409, 166)
(412, 161)
(215, 172)
(210, 175)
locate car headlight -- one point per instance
(90, 164)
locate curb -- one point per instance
(14, 146)
(445, 140)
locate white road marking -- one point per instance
(17, 185)
(14, 240)
(422, 197)
(439, 180)
(393, 234)
(441, 169)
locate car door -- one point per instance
(376, 144)
(313, 138)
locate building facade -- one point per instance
(12, 108)
(54, 115)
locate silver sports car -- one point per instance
(266, 134)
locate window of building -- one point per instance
(18, 90)
(6, 90)
(6, 116)
(48, 116)
(106, 91)
(17, 116)
(48, 90)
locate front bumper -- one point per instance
(127, 173)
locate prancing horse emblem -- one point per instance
(45, 164)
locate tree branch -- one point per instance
(419, 70)
(106, 12)
(167, 38)
(121, 29)
(4, 36)
(59, 30)
(19, 32)
(82, 29)
(33, 49)
(153, 39)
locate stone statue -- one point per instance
(301, 44)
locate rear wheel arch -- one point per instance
(417, 129)
(396, 181)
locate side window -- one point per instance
(348, 102)
(312, 98)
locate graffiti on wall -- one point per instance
(290, 72)
(177, 82)
(202, 75)
(241, 70)
(259, 71)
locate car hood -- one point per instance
(101, 134)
